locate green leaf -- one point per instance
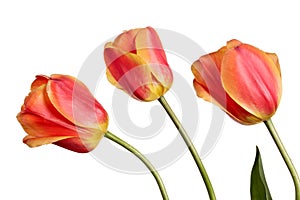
(259, 188)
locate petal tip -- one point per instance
(233, 43)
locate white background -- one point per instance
(39, 37)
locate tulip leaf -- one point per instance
(259, 188)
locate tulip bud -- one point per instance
(61, 110)
(242, 80)
(136, 63)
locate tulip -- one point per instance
(136, 63)
(61, 110)
(242, 80)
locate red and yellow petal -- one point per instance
(38, 104)
(46, 131)
(208, 86)
(238, 113)
(38, 126)
(149, 47)
(120, 62)
(81, 144)
(228, 105)
(73, 100)
(129, 72)
(162, 74)
(252, 80)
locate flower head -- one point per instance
(241, 79)
(61, 110)
(136, 63)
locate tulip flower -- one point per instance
(61, 110)
(246, 83)
(241, 79)
(136, 63)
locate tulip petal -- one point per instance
(39, 81)
(209, 66)
(67, 142)
(229, 106)
(37, 103)
(45, 131)
(76, 144)
(149, 47)
(208, 86)
(35, 142)
(129, 72)
(202, 91)
(73, 100)
(207, 73)
(38, 126)
(274, 57)
(46, 122)
(119, 62)
(248, 76)
(163, 75)
(125, 41)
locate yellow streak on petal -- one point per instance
(112, 80)
(274, 58)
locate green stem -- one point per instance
(190, 145)
(285, 156)
(139, 155)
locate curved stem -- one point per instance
(285, 156)
(190, 145)
(139, 155)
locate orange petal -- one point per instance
(35, 142)
(210, 62)
(252, 80)
(207, 74)
(73, 100)
(208, 86)
(202, 91)
(233, 43)
(274, 57)
(39, 81)
(38, 126)
(37, 103)
(67, 142)
(45, 131)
